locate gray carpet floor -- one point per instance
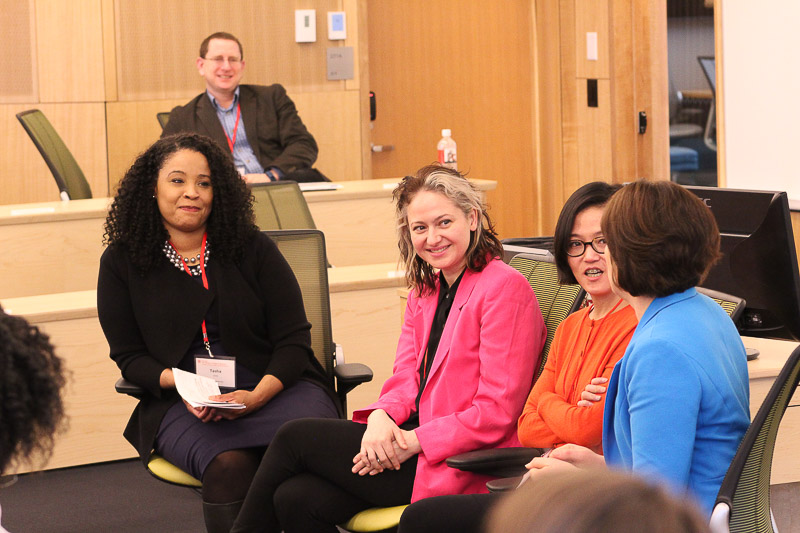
(109, 498)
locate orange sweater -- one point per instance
(582, 349)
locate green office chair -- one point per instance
(304, 250)
(162, 118)
(556, 303)
(742, 504)
(281, 205)
(72, 184)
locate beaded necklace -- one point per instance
(177, 259)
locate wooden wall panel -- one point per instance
(24, 176)
(18, 28)
(331, 118)
(132, 127)
(594, 136)
(156, 54)
(591, 16)
(70, 51)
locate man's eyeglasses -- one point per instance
(220, 60)
(578, 248)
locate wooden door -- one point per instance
(510, 79)
(466, 65)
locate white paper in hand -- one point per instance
(197, 389)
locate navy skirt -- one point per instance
(188, 443)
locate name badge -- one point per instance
(220, 368)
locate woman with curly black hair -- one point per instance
(183, 209)
(31, 381)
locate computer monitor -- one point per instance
(708, 64)
(759, 260)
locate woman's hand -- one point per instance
(578, 456)
(251, 400)
(562, 459)
(205, 414)
(592, 392)
(378, 445)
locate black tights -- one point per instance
(228, 476)
(305, 483)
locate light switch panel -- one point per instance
(340, 63)
(337, 25)
(591, 45)
(305, 25)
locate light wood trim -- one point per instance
(624, 136)
(651, 86)
(719, 103)
(362, 58)
(70, 51)
(548, 125)
(570, 125)
(109, 49)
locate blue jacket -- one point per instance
(678, 400)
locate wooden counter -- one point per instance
(55, 247)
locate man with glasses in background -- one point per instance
(258, 124)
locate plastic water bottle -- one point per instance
(447, 151)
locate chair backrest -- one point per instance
(742, 503)
(281, 205)
(733, 305)
(556, 300)
(304, 250)
(163, 118)
(69, 177)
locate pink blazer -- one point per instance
(479, 380)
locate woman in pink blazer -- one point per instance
(470, 343)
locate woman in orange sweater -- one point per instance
(585, 349)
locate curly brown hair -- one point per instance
(31, 382)
(483, 242)
(134, 221)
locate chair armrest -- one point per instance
(351, 375)
(503, 484)
(502, 462)
(123, 386)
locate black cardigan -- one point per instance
(150, 322)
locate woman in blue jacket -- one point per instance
(678, 401)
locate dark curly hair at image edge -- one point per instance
(134, 220)
(31, 382)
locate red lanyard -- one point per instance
(231, 142)
(204, 278)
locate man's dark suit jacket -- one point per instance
(150, 322)
(274, 129)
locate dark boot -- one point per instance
(219, 517)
